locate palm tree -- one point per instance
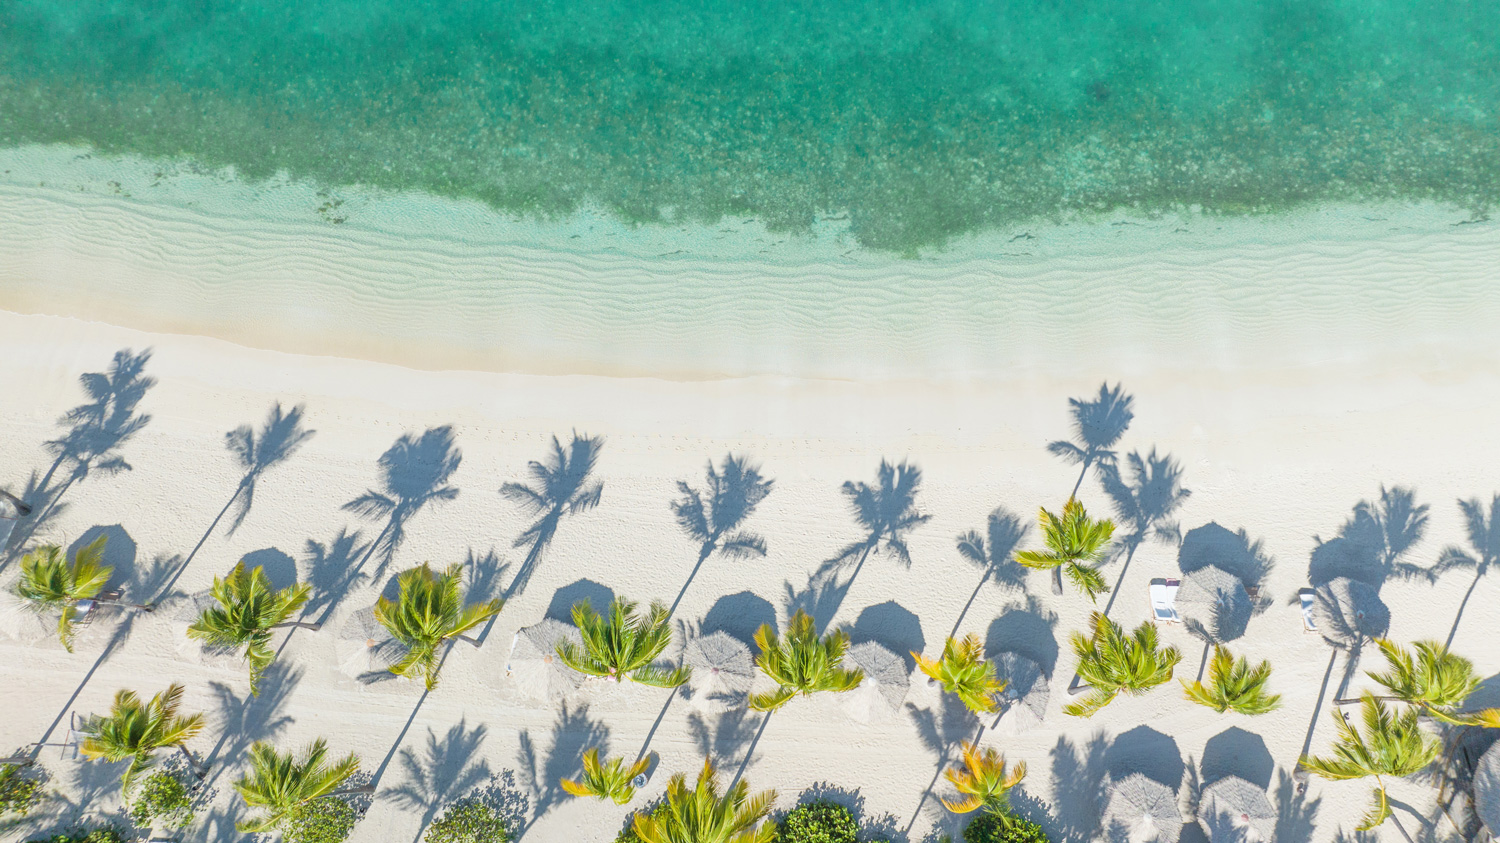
(1234, 686)
(1111, 663)
(1097, 426)
(249, 608)
(135, 730)
(562, 488)
(1144, 499)
(712, 518)
(281, 783)
(609, 780)
(1075, 543)
(887, 511)
(701, 815)
(1392, 746)
(801, 663)
(1435, 681)
(1484, 540)
(279, 438)
(623, 645)
(428, 613)
(413, 473)
(993, 553)
(963, 672)
(984, 781)
(49, 582)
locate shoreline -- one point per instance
(165, 248)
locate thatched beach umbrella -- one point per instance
(1487, 789)
(1025, 696)
(534, 664)
(1145, 809)
(1215, 602)
(884, 687)
(365, 646)
(1349, 612)
(723, 670)
(1232, 810)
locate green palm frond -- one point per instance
(701, 815)
(984, 781)
(1111, 663)
(1391, 745)
(248, 608)
(1433, 679)
(1233, 685)
(802, 663)
(623, 645)
(49, 582)
(606, 780)
(278, 783)
(136, 730)
(1075, 542)
(428, 613)
(963, 672)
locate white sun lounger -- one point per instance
(1164, 601)
(1307, 610)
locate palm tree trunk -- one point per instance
(466, 639)
(308, 625)
(143, 607)
(1203, 663)
(1057, 579)
(1479, 572)
(198, 770)
(1353, 700)
(703, 554)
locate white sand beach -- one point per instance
(1282, 420)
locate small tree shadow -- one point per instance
(414, 472)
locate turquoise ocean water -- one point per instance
(918, 121)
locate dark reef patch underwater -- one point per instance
(920, 121)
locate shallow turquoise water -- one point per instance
(919, 121)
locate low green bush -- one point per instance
(318, 821)
(468, 821)
(18, 791)
(103, 834)
(1005, 828)
(162, 799)
(818, 822)
(627, 834)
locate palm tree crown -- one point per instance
(984, 781)
(1111, 663)
(280, 783)
(701, 815)
(801, 663)
(249, 608)
(712, 517)
(428, 612)
(963, 672)
(622, 645)
(50, 582)
(1075, 543)
(136, 730)
(1435, 680)
(609, 780)
(1234, 686)
(1391, 746)
(887, 510)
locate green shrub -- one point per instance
(1005, 828)
(818, 822)
(162, 798)
(18, 791)
(627, 834)
(318, 821)
(103, 834)
(469, 821)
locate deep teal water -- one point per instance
(919, 121)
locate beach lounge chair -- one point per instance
(1307, 610)
(1164, 600)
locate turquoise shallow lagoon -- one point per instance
(917, 122)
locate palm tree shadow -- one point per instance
(280, 437)
(1483, 532)
(93, 434)
(414, 472)
(562, 487)
(332, 571)
(243, 720)
(994, 554)
(820, 598)
(1371, 543)
(1097, 425)
(445, 771)
(573, 733)
(1296, 815)
(712, 517)
(1078, 775)
(1145, 498)
(722, 736)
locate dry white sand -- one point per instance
(1281, 447)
